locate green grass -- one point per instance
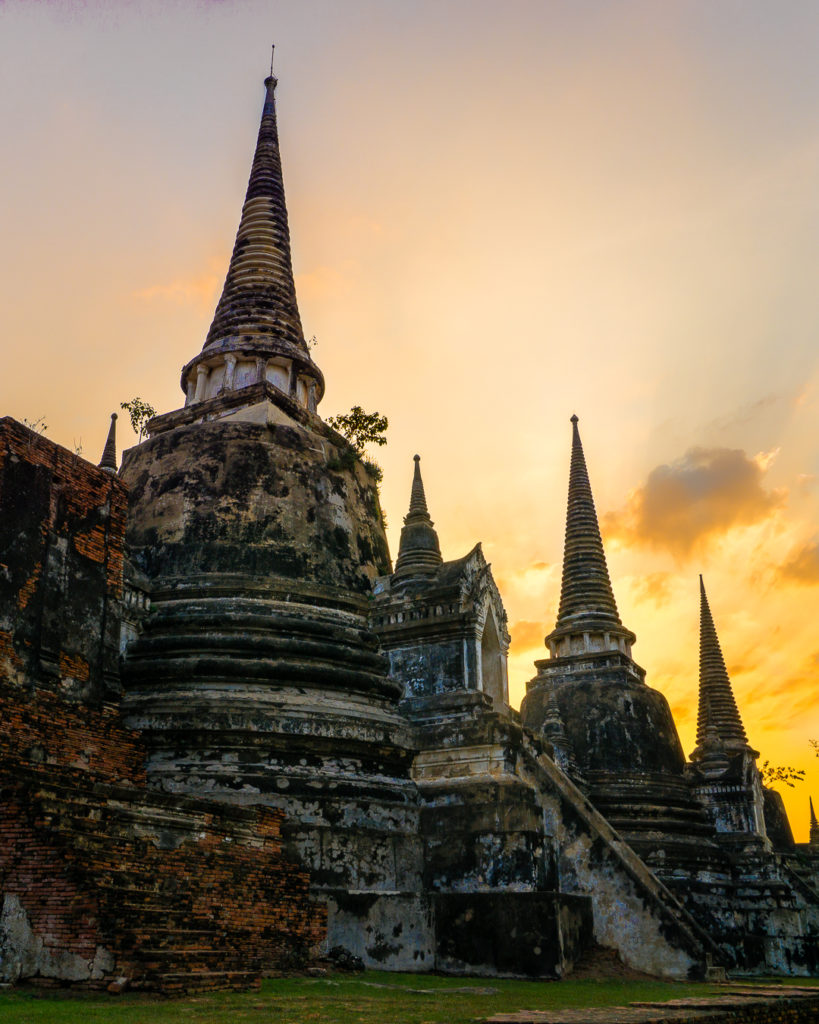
(372, 998)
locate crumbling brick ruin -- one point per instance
(232, 736)
(104, 879)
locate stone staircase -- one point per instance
(186, 895)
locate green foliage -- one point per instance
(780, 773)
(345, 459)
(140, 412)
(360, 428)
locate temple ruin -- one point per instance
(236, 738)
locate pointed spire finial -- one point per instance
(418, 500)
(814, 825)
(586, 595)
(271, 81)
(717, 707)
(108, 462)
(419, 553)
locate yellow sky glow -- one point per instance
(499, 218)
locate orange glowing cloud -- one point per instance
(654, 587)
(801, 565)
(200, 291)
(701, 495)
(527, 636)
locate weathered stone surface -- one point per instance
(277, 498)
(446, 631)
(777, 825)
(614, 721)
(510, 934)
(387, 931)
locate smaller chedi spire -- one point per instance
(814, 825)
(587, 602)
(108, 462)
(717, 714)
(419, 553)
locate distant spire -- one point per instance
(717, 707)
(108, 462)
(258, 303)
(585, 594)
(418, 500)
(814, 826)
(419, 553)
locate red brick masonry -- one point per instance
(102, 879)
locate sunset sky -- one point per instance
(501, 214)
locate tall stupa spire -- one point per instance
(419, 553)
(259, 295)
(814, 825)
(586, 599)
(717, 707)
(256, 333)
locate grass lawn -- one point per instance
(372, 998)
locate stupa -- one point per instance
(255, 677)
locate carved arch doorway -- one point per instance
(492, 674)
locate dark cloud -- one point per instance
(527, 636)
(702, 494)
(801, 565)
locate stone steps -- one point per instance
(162, 942)
(183, 983)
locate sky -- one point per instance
(501, 215)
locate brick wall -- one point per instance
(62, 524)
(39, 727)
(101, 878)
(172, 894)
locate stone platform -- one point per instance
(744, 1005)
